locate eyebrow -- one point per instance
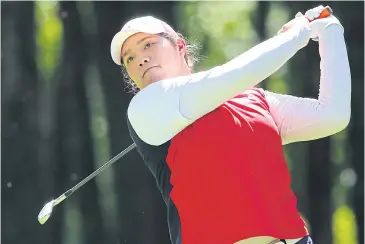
(139, 42)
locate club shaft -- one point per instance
(98, 171)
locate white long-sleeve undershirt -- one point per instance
(163, 109)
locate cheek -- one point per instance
(133, 75)
(172, 61)
(171, 55)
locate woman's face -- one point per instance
(149, 58)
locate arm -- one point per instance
(303, 119)
(163, 109)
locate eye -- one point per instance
(148, 45)
(129, 59)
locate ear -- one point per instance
(181, 46)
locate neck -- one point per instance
(185, 70)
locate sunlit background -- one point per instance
(64, 106)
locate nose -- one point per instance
(144, 60)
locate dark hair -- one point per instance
(192, 57)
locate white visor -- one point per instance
(147, 24)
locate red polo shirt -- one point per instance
(229, 177)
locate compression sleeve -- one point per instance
(303, 119)
(164, 108)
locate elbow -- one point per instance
(142, 125)
(338, 119)
(154, 115)
(155, 128)
(344, 121)
(340, 113)
(145, 116)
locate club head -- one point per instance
(46, 212)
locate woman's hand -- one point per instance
(318, 26)
(299, 21)
(298, 26)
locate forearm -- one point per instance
(170, 105)
(202, 95)
(335, 81)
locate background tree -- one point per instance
(22, 178)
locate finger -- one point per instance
(314, 12)
(283, 29)
(326, 12)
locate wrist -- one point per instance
(320, 27)
(330, 29)
(301, 34)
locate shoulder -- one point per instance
(253, 92)
(146, 150)
(137, 140)
(252, 97)
(257, 91)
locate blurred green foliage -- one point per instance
(344, 226)
(48, 37)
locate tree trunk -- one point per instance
(21, 187)
(353, 16)
(259, 19)
(76, 158)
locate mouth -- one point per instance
(144, 73)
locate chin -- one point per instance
(149, 82)
(154, 78)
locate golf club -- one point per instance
(46, 211)
(327, 11)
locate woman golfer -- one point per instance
(214, 142)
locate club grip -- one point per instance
(327, 11)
